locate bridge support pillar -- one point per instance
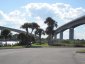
(71, 33)
(61, 35)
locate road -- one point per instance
(42, 56)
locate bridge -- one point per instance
(71, 25)
(12, 29)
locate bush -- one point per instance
(70, 43)
(17, 44)
(79, 45)
(66, 41)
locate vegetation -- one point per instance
(64, 43)
(39, 32)
(26, 26)
(6, 34)
(50, 29)
(34, 26)
(81, 51)
(25, 39)
(11, 47)
(33, 38)
(30, 25)
(70, 43)
(40, 45)
(28, 38)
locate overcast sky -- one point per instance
(14, 13)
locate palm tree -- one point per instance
(34, 26)
(39, 32)
(30, 25)
(6, 33)
(50, 22)
(50, 29)
(26, 26)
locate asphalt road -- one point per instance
(42, 56)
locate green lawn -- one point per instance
(41, 45)
(11, 47)
(36, 45)
(81, 51)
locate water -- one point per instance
(8, 42)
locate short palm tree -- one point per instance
(39, 32)
(34, 26)
(6, 33)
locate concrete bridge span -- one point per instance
(12, 29)
(71, 25)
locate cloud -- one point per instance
(13, 19)
(2, 18)
(40, 11)
(40, 21)
(64, 11)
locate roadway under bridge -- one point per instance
(71, 25)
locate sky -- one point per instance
(14, 13)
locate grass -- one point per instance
(81, 51)
(60, 43)
(40, 45)
(11, 47)
(36, 45)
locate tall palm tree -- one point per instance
(26, 26)
(50, 29)
(50, 22)
(39, 32)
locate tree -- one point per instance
(39, 32)
(50, 29)
(30, 25)
(6, 33)
(24, 39)
(34, 26)
(30, 36)
(26, 26)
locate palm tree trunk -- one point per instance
(50, 40)
(27, 31)
(5, 41)
(32, 31)
(40, 38)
